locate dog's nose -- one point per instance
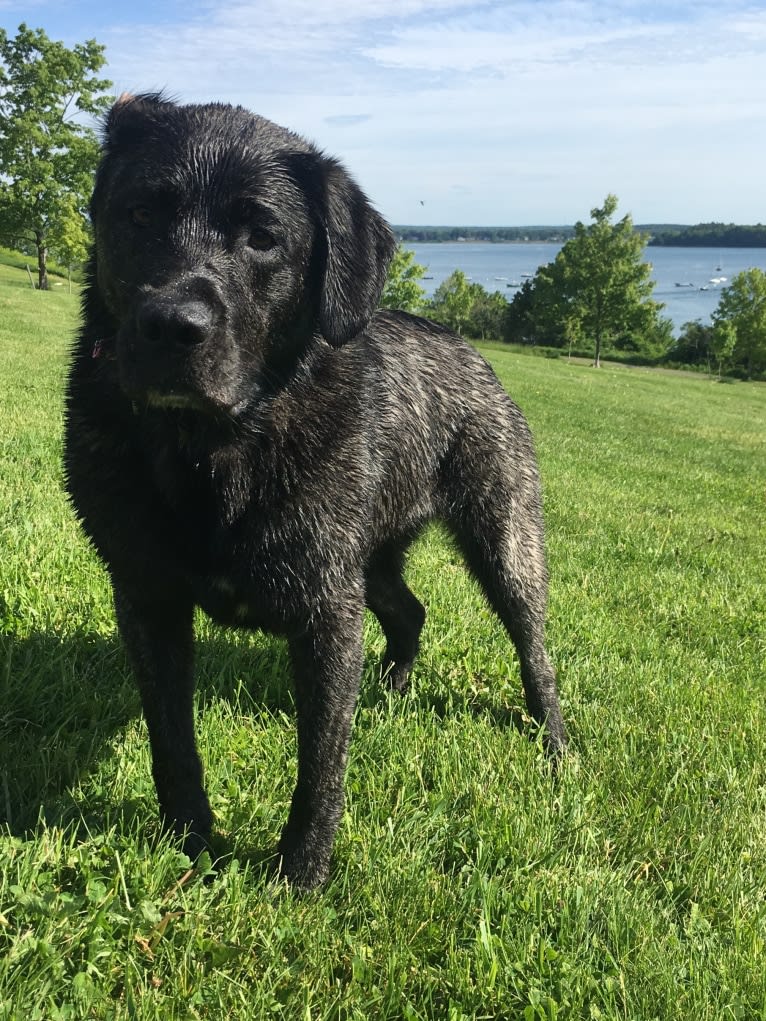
(179, 322)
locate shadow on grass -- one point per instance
(64, 699)
(67, 701)
(459, 703)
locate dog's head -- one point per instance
(224, 245)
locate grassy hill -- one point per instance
(11, 260)
(467, 883)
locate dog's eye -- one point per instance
(141, 216)
(261, 240)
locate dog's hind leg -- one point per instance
(510, 568)
(497, 521)
(400, 613)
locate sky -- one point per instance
(449, 112)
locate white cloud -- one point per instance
(487, 107)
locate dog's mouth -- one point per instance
(174, 388)
(155, 381)
(173, 400)
(182, 401)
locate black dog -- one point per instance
(245, 433)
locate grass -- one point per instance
(58, 275)
(466, 883)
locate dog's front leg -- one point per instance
(159, 637)
(327, 667)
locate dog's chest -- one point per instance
(266, 568)
(233, 603)
(269, 582)
(260, 601)
(262, 537)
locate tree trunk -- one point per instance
(42, 270)
(597, 357)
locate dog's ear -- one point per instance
(130, 121)
(359, 245)
(131, 117)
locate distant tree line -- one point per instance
(421, 234)
(595, 299)
(703, 235)
(713, 235)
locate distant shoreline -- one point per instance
(479, 241)
(560, 241)
(667, 235)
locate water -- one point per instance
(494, 266)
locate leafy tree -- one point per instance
(694, 345)
(47, 156)
(652, 343)
(70, 237)
(723, 343)
(532, 316)
(452, 301)
(467, 308)
(599, 287)
(487, 314)
(520, 319)
(743, 308)
(402, 288)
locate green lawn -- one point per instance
(467, 883)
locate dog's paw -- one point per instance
(195, 845)
(301, 866)
(555, 744)
(193, 829)
(396, 675)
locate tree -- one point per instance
(694, 345)
(535, 314)
(47, 156)
(723, 342)
(402, 289)
(487, 315)
(599, 286)
(453, 300)
(743, 308)
(651, 341)
(69, 238)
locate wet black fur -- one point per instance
(246, 433)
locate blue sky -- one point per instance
(505, 112)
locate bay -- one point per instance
(496, 266)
